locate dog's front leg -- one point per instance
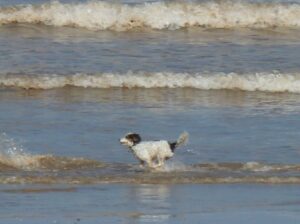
(152, 164)
(160, 162)
(142, 164)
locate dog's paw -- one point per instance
(157, 169)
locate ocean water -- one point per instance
(75, 76)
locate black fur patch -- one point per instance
(135, 138)
(172, 146)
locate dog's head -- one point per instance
(130, 139)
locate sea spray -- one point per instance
(13, 154)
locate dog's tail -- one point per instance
(182, 139)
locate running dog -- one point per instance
(152, 153)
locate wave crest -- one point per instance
(270, 82)
(14, 157)
(48, 162)
(157, 15)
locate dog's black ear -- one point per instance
(135, 138)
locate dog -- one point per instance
(152, 153)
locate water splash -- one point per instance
(173, 166)
(13, 156)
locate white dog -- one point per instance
(153, 153)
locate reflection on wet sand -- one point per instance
(156, 198)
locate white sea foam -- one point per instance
(258, 167)
(157, 15)
(269, 82)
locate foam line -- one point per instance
(269, 82)
(157, 15)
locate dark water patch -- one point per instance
(38, 190)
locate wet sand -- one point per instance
(115, 203)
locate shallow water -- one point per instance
(75, 76)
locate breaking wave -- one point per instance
(47, 162)
(222, 173)
(156, 15)
(153, 179)
(249, 167)
(269, 82)
(14, 157)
